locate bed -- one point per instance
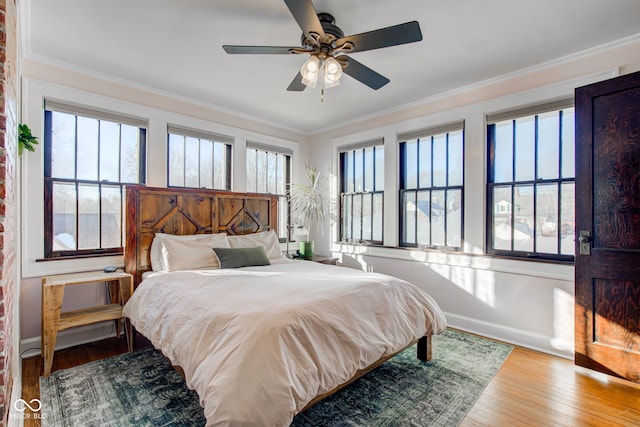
(259, 343)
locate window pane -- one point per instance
(368, 169)
(568, 143)
(63, 145)
(359, 171)
(176, 160)
(502, 218)
(206, 164)
(271, 173)
(111, 217)
(454, 218)
(366, 216)
(283, 179)
(409, 214)
(377, 222)
(64, 217)
(251, 170)
(437, 218)
(357, 217)
(262, 171)
(411, 164)
(88, 217)
(525, 149)
(87, 148)
(524, 220)
(440, 160)
(379, 168)
(568, 219)
(192, 162)
(348, 176)
(424, 160)
(456, 156)
(548, 145)
(503, 155)
(130, 143)
(220, 165)
(109, 151)
(423, 217)
(547, 218)
(347, 206)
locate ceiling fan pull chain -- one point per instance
(322, 94)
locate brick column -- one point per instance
(8, 195)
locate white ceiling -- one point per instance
(175, 46)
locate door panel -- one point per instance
(608, 207)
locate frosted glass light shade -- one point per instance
(310, 70)
(332, 72)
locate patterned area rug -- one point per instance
(142, 389)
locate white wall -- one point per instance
(44, 81)
(524, 302)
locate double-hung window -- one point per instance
(269, 172)
(362, 193)
(531, 182)
(89, 156)
(198, 159)
(432, 187)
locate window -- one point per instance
(89, 157)
(198, 160)
(269, 172)
(362, 193)
(531, 185)
(432, 187)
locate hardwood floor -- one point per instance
(531, 388)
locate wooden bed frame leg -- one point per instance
(424, 348)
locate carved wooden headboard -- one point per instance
(190, 211)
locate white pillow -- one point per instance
(155, 253)
(267, 239)
(191, 254)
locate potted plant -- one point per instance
(26, 140)
(309, 203)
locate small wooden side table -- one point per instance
(53, 320)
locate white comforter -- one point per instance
(257, 344)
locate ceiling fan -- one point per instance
(327, 46)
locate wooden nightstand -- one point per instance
(120, 290)
(323, 259)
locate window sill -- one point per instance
(529, 267)
(71, 257)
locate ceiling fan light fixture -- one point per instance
(310, 70)
(332, 72)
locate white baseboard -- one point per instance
(16, 418)
(69, 338)
(507, 334)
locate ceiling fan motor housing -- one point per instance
(331, 32)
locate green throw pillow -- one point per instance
(241, 257)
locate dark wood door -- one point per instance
(607, 310)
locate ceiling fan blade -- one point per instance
(408, 32)
(306, 16)
(364, 74)
(258, 49)
(296, 84)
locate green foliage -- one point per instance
(26, 141)
(308, 200)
